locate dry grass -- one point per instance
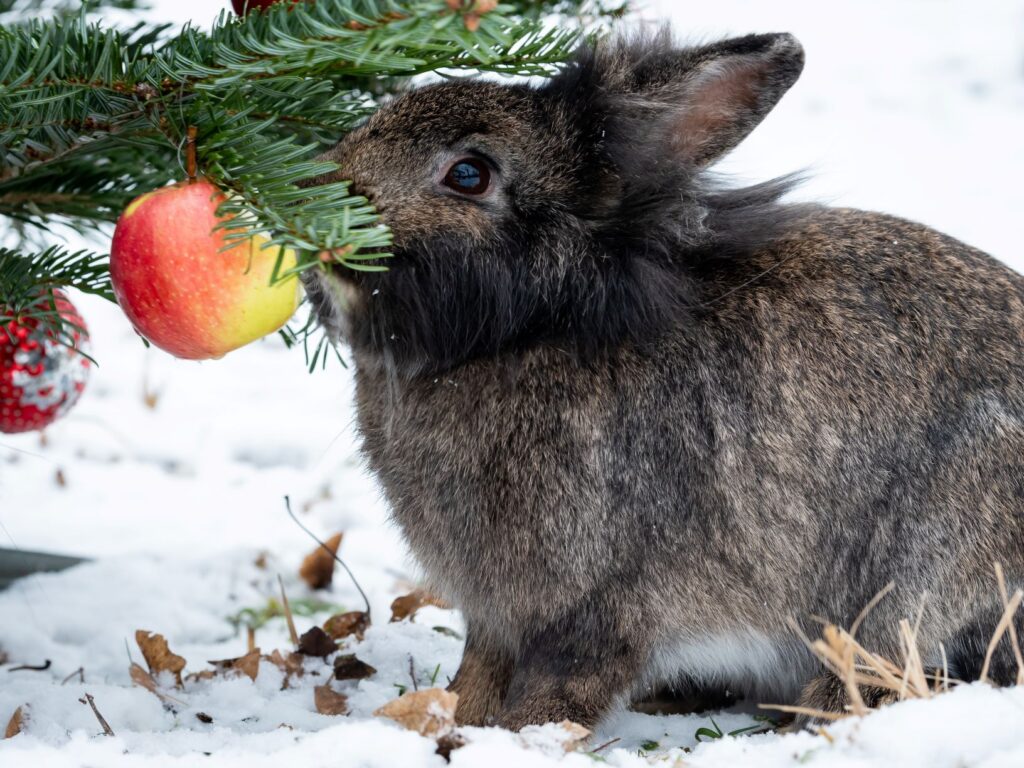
(859, 668)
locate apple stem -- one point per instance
(190, 153)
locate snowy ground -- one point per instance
(911, 107)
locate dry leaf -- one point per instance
(248, 665)
(290, 665)
(202, 717)
(448, 744)
(405, 607)
(577, 734)
(158, 656)
(316, 642)
(142, 678)
(430, 712)
(348, 667)
(205, 674)
(317, 568)
(14, 725)
(345, 624)
(329, 702)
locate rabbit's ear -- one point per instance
(701, 101)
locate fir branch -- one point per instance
(92, 116)
(22, 276)
(29, 284)
(67, 88)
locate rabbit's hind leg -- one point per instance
(828, 695)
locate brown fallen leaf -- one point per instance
(158, 656)
(317, 569)
(291, 665)
(448, 744)
(354, 623)
(577, 734)
(316, 642)
(203, 674)
(142, 678)
(15, 724)
(405, 607)
(202, 717)
(329, 702)
(429, 712)
(348, 667)
(248, 665)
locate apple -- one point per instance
(178, 287)
(243, 6)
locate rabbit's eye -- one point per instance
(470, 176)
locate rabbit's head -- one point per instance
(576, 213)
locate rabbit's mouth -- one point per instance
(333, 294)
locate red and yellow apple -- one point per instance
(178, 287)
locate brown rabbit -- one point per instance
(631, 419)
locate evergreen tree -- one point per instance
(93, 115)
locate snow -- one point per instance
(914, 107)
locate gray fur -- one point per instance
(809, 403)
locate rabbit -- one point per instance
(631, 419)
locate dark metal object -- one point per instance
(15, 563)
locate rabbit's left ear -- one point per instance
(700, 102)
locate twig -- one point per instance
(1011, 608)
(106, 726)
(81, 676)
(805, 711)
(190, 153)
(288, 614)
(870, 606)
(1012, 628)
(595, 750)
(338, 560)
(250, 638)
(32, 668)
(412, 674)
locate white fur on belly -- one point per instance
(746, 662)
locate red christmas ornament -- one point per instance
(40, 377)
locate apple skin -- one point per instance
(180, 290)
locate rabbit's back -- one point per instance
(842, 410)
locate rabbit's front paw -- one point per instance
(481, 682)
